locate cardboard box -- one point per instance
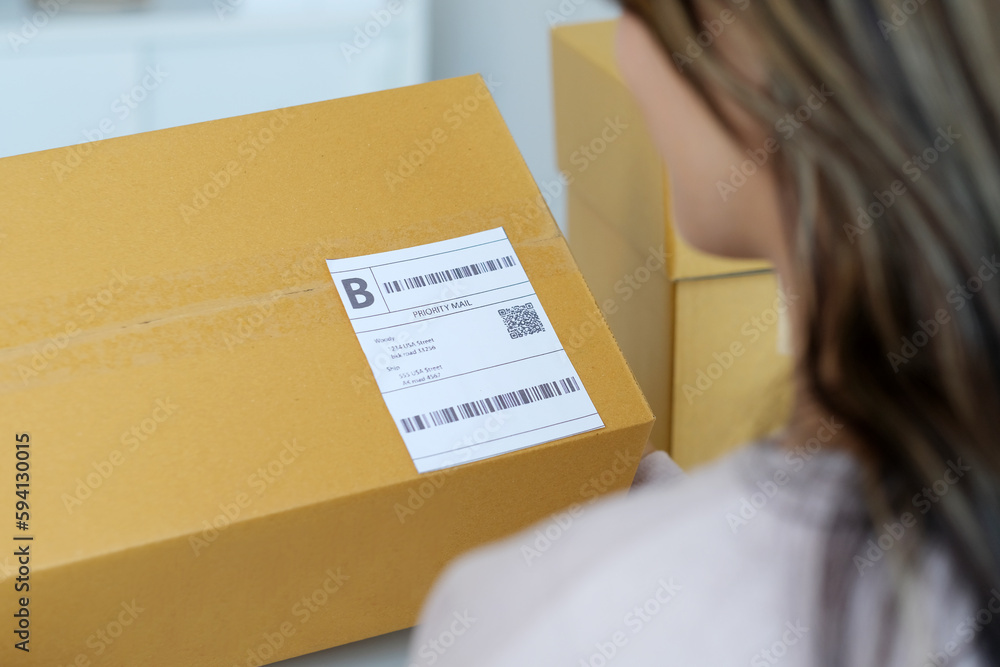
(214, 477)
(671, 317)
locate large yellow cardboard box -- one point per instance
(209, 473)
(701, 332)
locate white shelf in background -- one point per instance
(71, 77)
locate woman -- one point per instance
(866, 532)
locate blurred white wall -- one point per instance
(510, 40)
(71, 77)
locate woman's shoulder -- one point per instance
(729, 501)
(686, 555)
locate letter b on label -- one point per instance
(357, 292)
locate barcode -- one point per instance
(486, 405)
(447, 275)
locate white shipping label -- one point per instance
(463, 353)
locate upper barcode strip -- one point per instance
(447, 275)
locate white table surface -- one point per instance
(382, 651)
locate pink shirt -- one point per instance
(720, 567)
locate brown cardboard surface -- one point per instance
(730, 384)
(169, 325)
(635, 297)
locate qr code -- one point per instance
(521, 320)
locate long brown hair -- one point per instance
(893, 223)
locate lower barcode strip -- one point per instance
(485, 406)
